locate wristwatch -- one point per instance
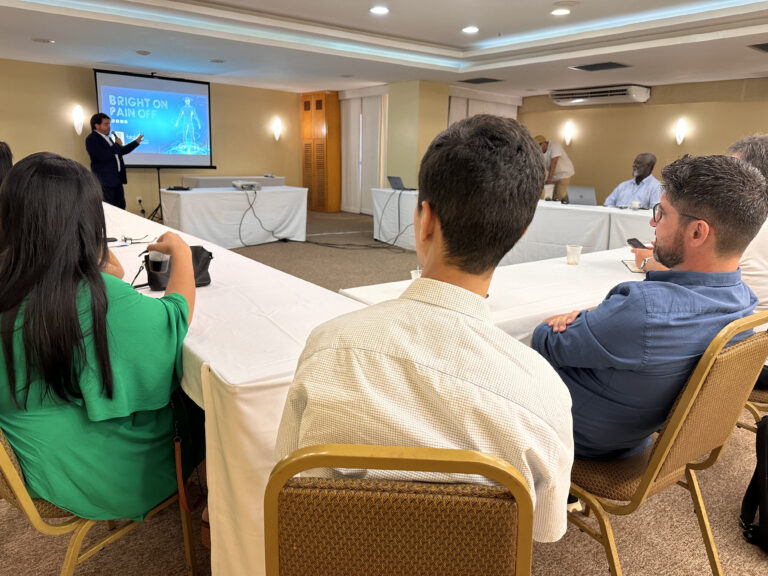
(645, 262)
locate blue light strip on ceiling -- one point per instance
(617, 22)
(254, 31)
(202, 23)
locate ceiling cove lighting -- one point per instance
(379, 10)
(470, 30)
(640, 17)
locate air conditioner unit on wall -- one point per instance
(624, 94)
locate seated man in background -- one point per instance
(430, 368)
(754, 261)
(626, 360)
(642, 187)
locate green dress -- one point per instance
(105, 458)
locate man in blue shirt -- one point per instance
(626, 360)
(642, 187)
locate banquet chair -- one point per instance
(368, 527)
(756, 405)
(692, 438)
(40, 512)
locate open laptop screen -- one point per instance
(584, 195)
(397, 183)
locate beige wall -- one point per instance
(609, 137)
(36, 101)
(433, 113)
(417, 112)
(403, 132)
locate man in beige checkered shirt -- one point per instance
(430, 368)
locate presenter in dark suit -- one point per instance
(107, 159)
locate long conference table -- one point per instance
(554, 226)
(523, 295)
(234, 218)
(250, 325)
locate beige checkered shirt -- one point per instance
(431, 369)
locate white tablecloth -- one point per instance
(523, 295)
(234, 218)
(250, 324)
(553, 227)
(630, 224)
(226, 181)
(393, 216)
(595, 228)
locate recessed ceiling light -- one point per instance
(217, 60)
(563, 8)
(43, 40)
(470, 30)
(143, 52)
(379, 10)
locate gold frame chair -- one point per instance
(398, 458)
(757, 405)
(692, 438)
(37, 511)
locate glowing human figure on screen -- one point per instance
(188, 117)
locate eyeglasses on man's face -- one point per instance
(658, 212)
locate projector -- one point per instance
(246, 185)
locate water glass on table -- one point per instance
(572, 254)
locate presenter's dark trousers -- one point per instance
(114, 195)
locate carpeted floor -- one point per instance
(661, 539)
(340, 252)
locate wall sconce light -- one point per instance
(77, 118)
(569, 130)
(680, 131)
(277, 128)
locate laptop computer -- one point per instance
(583, 195)
(397, 183)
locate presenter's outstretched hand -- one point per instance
(140, 138)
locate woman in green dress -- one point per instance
(88, 366)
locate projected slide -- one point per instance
(173, 115)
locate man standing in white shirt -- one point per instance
(430, 368)
(558, 166)
(642, 187)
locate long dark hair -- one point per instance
(52, 246)
(6, 160)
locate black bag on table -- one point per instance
(756, 497)
(201, 258)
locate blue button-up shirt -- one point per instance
(626, 361)
(648, 192)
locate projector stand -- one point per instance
(157, 213)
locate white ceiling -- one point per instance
(304, 45)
